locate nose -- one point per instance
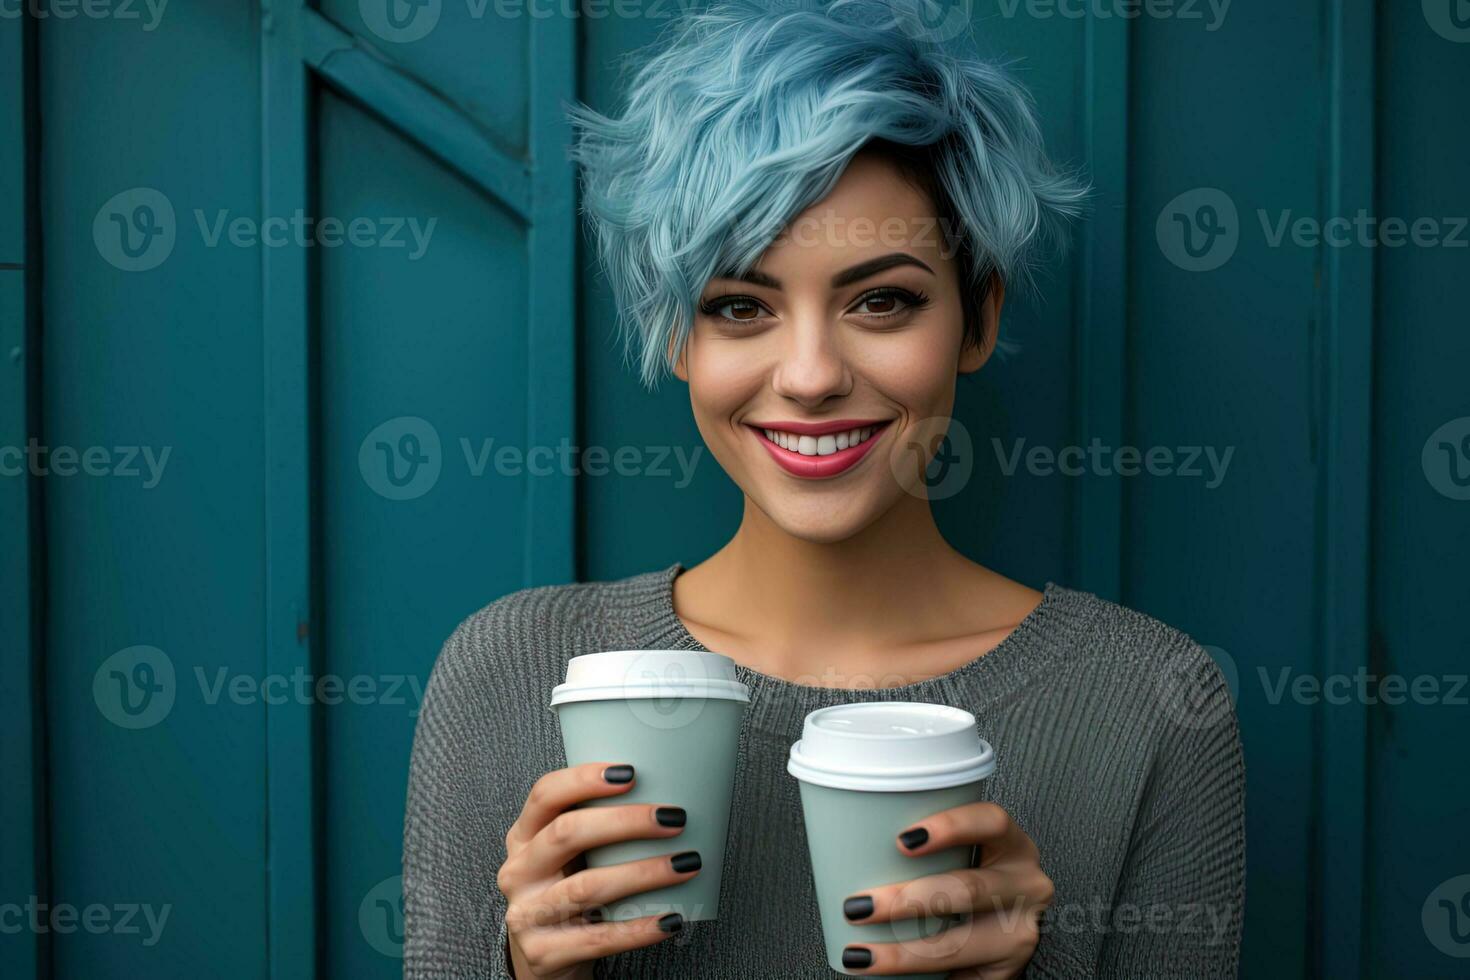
(812, 367)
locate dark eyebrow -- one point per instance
(844, 278)
(865, 269)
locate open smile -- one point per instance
(817, 450)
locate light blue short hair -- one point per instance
(746, 114)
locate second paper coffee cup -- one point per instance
(868, 771)
(675, 717)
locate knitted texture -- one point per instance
(1118, 754)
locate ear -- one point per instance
(677, 355)
(973, 356)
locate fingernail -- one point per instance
(857, 957)
(670, 816)
(686, 862)
(858, 907)
(672, 922)
(911, 839)
(618, 775)
(593, 915)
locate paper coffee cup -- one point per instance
(868, 771)
(675, 717)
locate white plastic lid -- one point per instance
(890, 747)
(624, 674)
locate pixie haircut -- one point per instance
(745, 115)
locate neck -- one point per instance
(865, 591)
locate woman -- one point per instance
(812, 218)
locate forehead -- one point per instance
(874, 209)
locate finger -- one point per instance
(567, 944)
(560, 790)
(974, 823)
(596, 887)
(948, 893)
(1000, 941)
(579, 830)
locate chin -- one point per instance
(820, 519)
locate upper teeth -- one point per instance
(820, 445)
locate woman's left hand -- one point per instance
(1006, 895)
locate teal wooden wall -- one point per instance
(347, 431)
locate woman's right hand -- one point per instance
(552, 917)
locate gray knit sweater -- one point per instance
(1118, 754)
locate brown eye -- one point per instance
(742, 309)
(880, 304)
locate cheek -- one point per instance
(723, 375)
(914, 368)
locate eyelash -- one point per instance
(912, 301)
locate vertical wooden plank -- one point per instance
(22, 804)
(1102, 308)
(290, 749)
(551, 341)
(1346, 483)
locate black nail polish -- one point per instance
(593, 915)
(858, 907)
(672, 922)
(911, 839)
(686, 862)
(618, 775)
(857, 957)
(670, 816)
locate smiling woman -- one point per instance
(821, 369)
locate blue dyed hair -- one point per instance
(745, 115)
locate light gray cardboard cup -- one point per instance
(675, 717)
(868, 771)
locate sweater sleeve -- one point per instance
(458, 812)
(1180, 901)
